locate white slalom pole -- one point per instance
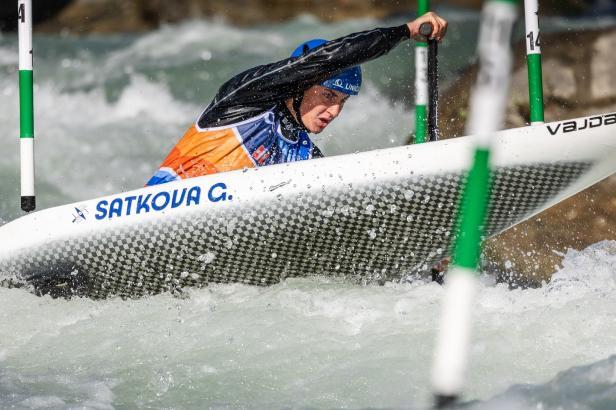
(26, 105)
(421, 81)
(421, 92)
(487, 108)
(533, 61)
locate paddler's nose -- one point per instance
(334, 110)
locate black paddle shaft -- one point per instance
(426, 30)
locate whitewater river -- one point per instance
(108, 109)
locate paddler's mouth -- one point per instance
(322, 123)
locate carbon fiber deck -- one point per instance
(369, 232)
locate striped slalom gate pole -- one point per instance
(533, 61)
(487, 108)
(421, 81)
(26, 104)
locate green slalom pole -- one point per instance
(533, 61)
(421, 81)
(487, 110)
(26, 104)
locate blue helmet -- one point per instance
(347, 81)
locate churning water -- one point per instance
(108, 109)
(313, 343)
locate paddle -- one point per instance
(433, 132)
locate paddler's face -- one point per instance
(321, 106)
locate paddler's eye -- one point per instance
(329, 96)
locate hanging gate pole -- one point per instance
(533, 61)
(26, 104)
(421, 81)
(488, 102)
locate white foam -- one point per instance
(186, 42)
(9, 56)
(313, 342)
(88, 145)
(142, 100)
(41, 402)
(149, 101)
